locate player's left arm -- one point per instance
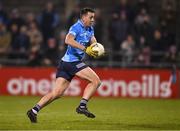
(89, 50)
(93, 40)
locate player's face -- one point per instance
(89, 19)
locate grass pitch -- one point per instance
(111, 114)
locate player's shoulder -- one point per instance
(76, 25)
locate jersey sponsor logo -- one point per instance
(84, 34)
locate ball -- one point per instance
(99, 48)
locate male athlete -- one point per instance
(79, 40)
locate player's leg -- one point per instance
(60, 86)
(93, 79)
(94, 82)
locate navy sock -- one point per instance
(83, 103)
(36, 109)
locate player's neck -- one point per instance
(84, 23)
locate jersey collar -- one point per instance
(81, 23)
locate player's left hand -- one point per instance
(90, 52)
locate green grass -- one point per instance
(111, 114)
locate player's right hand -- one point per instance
(90, 52)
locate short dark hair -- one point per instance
(85, 11)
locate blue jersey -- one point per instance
(83, 36)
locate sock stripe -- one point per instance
(38, 107)
(83, 101)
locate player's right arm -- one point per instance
(70, 40)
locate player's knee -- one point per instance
(97, 82)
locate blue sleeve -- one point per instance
(73, 30)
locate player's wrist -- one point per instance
(84, 49)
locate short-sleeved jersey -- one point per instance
(83, 36)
